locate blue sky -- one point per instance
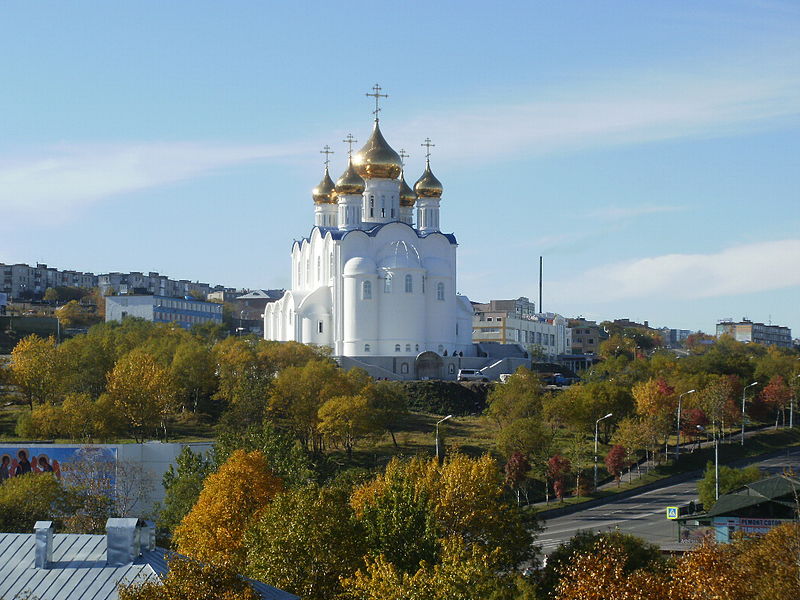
(649, 151)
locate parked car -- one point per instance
(471, 375)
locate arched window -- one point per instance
(330, 266)
(441, 348)
(366, 347)
(423, 284)
(308, 270)
(319, 327)
(404, 368)
(440, 291)
(298, 274)
(409, 284)
(416, 348)
(319, 268)
(452, 369)
(408, 347)
(372, 206)
(387, 284)
(366, 290)
(397, 347)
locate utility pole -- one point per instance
(678, 443)
(540, 285)
(596, 431)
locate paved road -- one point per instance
(643, 515)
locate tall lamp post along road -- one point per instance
(791, 403)
(596, 430)
(744, 395)
(439, 454)
(678, 444)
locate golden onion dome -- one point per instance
(377, 160)
(350, 182)
(428, 186)
(407, 195)
(323, 193)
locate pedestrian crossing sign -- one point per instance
(672, 512)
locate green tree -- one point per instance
(305, 541)
(730, 478)
(25, 499)
(347, 419)
(520, 397)
(182, 487)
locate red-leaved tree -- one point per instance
(516, 470)
(615, 461)
(558, 468)
(776, 395)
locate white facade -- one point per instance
(366, 282)
(185, 312)
(517, 322)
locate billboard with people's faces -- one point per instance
(76, 464)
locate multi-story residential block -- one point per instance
(151, 283)
(757, 333)
(24, 282)
(185, 312)
(674, 338)
(586, 336)
(517, 322)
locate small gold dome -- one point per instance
(407, 195)
(323, 193)
(377, 160)
(428, 186)
(350, 182)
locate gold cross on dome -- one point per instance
(403, 156)
(428, 145)
(350, 140)
(327, 152)
(377, 95)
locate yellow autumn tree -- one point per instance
(710, 571)
(231, 499)
(463, 496)
(35, 369)
(143, 392)
(600, 575)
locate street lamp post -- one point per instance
(678, 443)
(439, 453)
(744, 395)
(791, 405)
(596, 431)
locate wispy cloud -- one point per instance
(618, 213)
(741, 269)
(635, 108)
(60, 180)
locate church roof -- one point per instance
(338, 234)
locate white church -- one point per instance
(375, 280)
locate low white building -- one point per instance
(185, 312)
(517, 322)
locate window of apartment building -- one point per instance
(488, 318)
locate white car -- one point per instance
(471, 375)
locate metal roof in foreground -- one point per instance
(79, 570)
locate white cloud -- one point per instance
(637, 108)
(618, 213)
(737, 270)
(61, 180)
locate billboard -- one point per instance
(77, 465)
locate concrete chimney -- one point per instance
(122, 541)
(43, 540)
